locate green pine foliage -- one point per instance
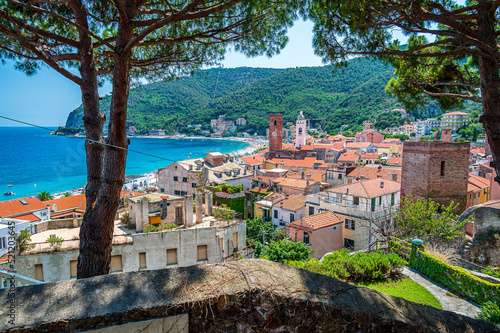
(490, 311)
(347, 96)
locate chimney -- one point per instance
(260, 186)
(381, 184)
(48, 212)
(190, 167)
(303, 175)
(211, 150)
(54, 208)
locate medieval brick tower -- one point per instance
(436, 170)
(275, 132)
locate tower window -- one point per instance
(442, 168)
(275, 123)
(300, 130)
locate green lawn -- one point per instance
(405, 288)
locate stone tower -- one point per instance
(275, 132)
(301, 131)
(437, 170)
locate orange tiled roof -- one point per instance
(368, 188)
(253, 159)
(292, 182)
(66, 203)
(348, 158)
(319, 221)
(373, 172)
(27, 217)
(478, 181)
(385, 145)
(395, 161)
(455, 113)
(358, 145)
(308, 162)
(316, 174)
(369, 156)
(262, 190)
(293, 202)
(14, 207)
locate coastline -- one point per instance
(75, 157)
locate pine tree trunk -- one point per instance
(96, 233)
(489, 69)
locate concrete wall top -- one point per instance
(224, 298)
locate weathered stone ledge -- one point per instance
(241, 296)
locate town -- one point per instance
(327, 193)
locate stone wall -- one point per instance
(73, 222)
(486, 216)
(241, 296)
(425, 175)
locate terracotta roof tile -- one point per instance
(27, 217)
(373, 172)
(308, 162)
(318, 221)
(253, 159)
(15, 206)
(368, 188)
(348, 158)
(358, 145)
(293, 202)
(395, 161)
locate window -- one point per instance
(380, 201)
(442, 168)
(334, 228)
(235, 241)
(142, 260)
(355, 201)
(373, 205)
(73, 264)
(470, 196)
(306, 237)
(222, 244)
(177, 192)
(176, 178)
(348, 243)
(311, 210)
(171, 257)
(193, 185)
(392, 199)
(202, 253)
(39, 272)
(292, 217)
(340, 176)
(116, 264)
(184, 179)
(275, 213)
(350, 224)
(162, 190)
(395, 177)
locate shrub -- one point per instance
(490, 312)
(168, 226)
(127, 221)
(361, 267)
(55, 242)
(151, 228)
(492, 271)
(445, 254)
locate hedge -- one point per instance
(454, 278)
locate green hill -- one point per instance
(347, 96)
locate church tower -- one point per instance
(301, 131)
(275, 132)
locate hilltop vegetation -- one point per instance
(347, 96)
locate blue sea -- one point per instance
(30, 156)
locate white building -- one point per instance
(365, 206)
(133, 183)
(6, 227)
(454, 120)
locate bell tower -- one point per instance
(275, 132)
(301, 131)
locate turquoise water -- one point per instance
(30, 156)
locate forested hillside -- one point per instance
(346, 96)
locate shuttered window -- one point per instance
(73, 264)
(171, 256)
(39, 272)
(235, 241)
(142, 260)
(202, 253)
(116, 263)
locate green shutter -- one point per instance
(373, 204)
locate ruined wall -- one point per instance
(424, 176)
(240, 296)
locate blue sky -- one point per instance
(47, 98)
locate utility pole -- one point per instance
(264, 242)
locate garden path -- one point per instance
(449, 303)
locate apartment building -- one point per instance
(454, 120)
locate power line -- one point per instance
(97, 142)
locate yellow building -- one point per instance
(454, 120)
(478, 190)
